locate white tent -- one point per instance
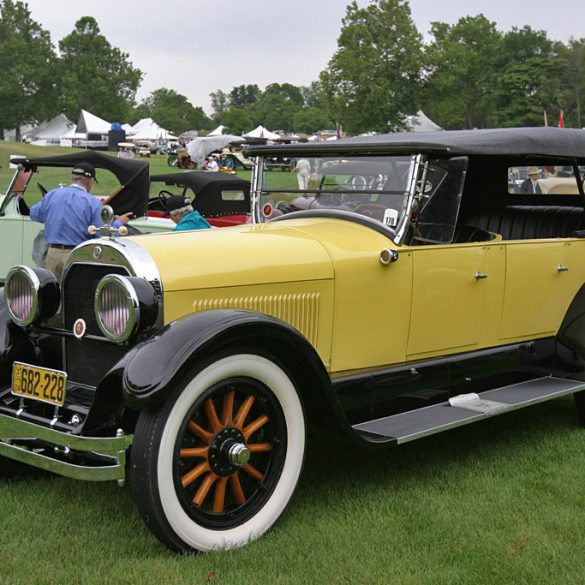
(90, 124)
(143, 123)
(218, 131)
(199, 148)
(420, 122)
(261, 132)
(148, 129)
(53, 130)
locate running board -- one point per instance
(464, 409)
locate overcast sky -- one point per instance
(196, 46)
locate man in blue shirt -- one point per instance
(67, 212)
(181, 212)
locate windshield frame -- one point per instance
(409, 193)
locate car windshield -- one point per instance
(376, 187)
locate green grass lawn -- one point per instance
(501, 502)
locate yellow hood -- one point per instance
(238, 256)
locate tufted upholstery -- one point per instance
(517, 222)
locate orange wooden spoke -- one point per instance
(237, 489)
(204, 488)
(259, 447)
(212, 415)
(254, 426)
(199, 431)
(194, 452)
(190, 477)
(252, 471)
(227, 413)
(219, 498)
(243, 412)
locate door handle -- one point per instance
(561, 268)
(480, 276)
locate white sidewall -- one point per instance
(267, 372)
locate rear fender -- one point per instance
(570, 352)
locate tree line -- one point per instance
(466, 75)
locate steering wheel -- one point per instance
(163, 195)
(330, 199)
(373, 210)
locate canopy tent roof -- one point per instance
(218, 131)
(71, 133)
(148, 129)
(261, 132)
(90, 124)
(53, 129)
(199, 148)
(420, 122)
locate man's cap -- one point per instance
(177, 203)
(84, 169)
(533, 171)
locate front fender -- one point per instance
(151, 370)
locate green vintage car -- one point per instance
(406, 290)
(35, 176)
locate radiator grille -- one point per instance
(299, 310)
(87, 361)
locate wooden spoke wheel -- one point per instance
(217, 464)
(229, 452)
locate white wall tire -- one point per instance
(220, 519)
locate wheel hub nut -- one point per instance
(238, 454)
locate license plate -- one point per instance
(39, 383)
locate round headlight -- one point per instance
(32, 294)
(124, 306)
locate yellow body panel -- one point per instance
(457, 298)
(325, 278)
(372, 300)
(237, 256)
(538, 289)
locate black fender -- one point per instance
(570, 350)
(14, 344)
(151, 370)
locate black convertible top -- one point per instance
(197, 180)
(558, 142)
(132, 175)
(208, 188)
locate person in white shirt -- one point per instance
(210, 165)
(303, 171)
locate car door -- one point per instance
(542, 277)
(11, 236)
(457, 298)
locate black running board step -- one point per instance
(464, 409)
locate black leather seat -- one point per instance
(520, 222)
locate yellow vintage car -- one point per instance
(401, 289)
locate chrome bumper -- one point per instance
(109, 452)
